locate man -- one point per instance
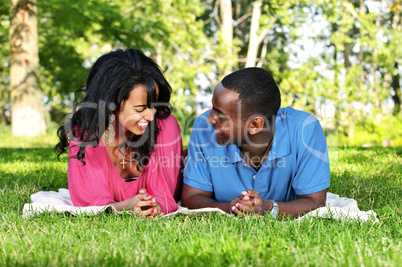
(247, 156)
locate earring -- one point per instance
(110, 133)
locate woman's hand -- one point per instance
(143, 205)
(149, 205)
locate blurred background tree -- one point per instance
(4, 63)
(340, 60)
(25, 91)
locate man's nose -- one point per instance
(211, 118)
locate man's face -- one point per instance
(226, 116)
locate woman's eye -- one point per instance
(140, 110)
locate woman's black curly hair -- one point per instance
(109, 83)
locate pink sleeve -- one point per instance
(164, 171)
(87, 183)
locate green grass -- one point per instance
(371, 176)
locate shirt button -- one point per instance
(253, 176)
(245, 164)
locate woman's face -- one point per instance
(134, 115)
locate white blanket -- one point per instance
(50, 201)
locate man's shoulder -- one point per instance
(203, 135)
(201, 125)
(201, 119)
(294, 116)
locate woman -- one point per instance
(124, 145)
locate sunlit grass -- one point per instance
(371, 176)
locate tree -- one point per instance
(181, 50)
(225, 36)
(395, 42)
(256, 38)
(4, 61)
(72, 34)
(26, 95)
(359, 67)
(240, 31)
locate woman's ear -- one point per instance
(255, 125)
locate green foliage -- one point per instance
(359, 66)
(179, 53)
(73, 33)
(375, 132)
(364, 66)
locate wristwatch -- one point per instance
(275, 210)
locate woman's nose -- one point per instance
(150, 114)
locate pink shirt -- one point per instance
(98, 183)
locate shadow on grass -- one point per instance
(372, 176)
(367, 154)
(24, 171)
(29, 154)
(379, 149)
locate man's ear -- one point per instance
(255, 125)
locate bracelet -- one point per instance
(275, 210)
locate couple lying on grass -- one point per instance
(245, 156)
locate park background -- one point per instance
(339, 60)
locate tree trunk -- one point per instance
(158, 56)
(253, 44)
(376, 100)
(264, 52)
(27, 110)
(396, 86)
(362, 100)
(346, 54)
(226, 31)
(361, 56)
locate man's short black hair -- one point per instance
(258, 93)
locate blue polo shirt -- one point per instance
(297, 164)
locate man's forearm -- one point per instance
(199, 201)
(294, 208)
(251, 202)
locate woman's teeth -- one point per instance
(142, 125)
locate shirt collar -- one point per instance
(234, 153)
(281, 143)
